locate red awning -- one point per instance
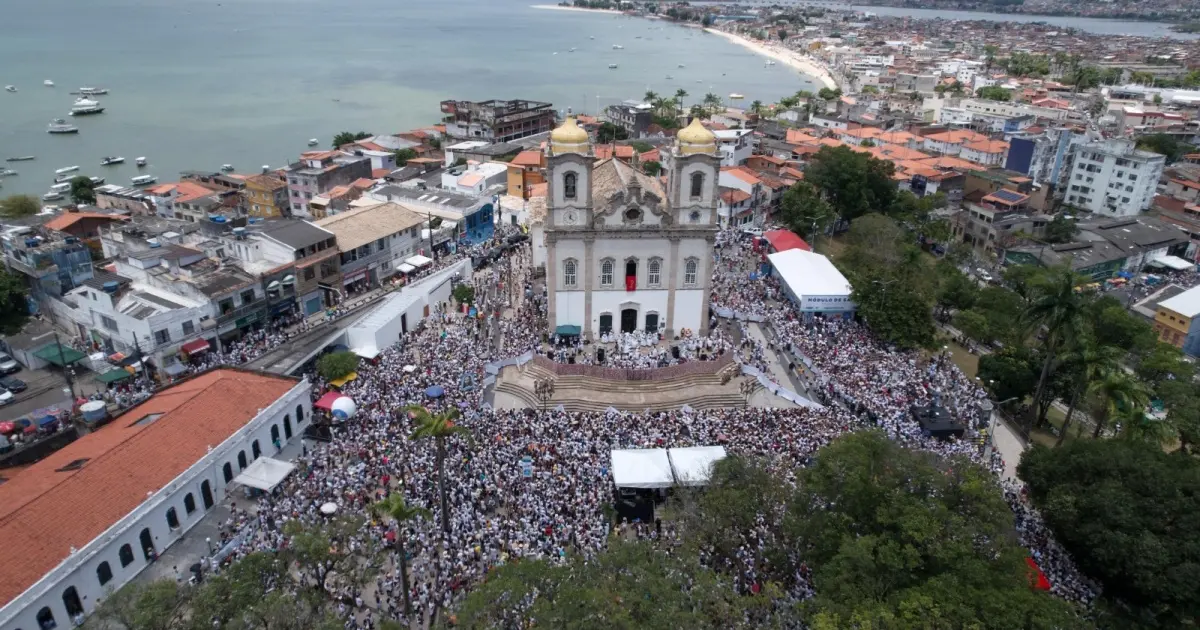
(1037, 579)
(783, 240)
(326, 402)
(195, 346)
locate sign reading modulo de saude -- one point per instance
(826, 303)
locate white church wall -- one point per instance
(569, 308)
(645, 301)
(689, 310)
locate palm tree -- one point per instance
(650, 96)
(712, 103)
(788, 102)
(1059, 310)
(400, 512)
(438, 427)
(680, 94)
(697, 111)
(1093, 363)
(756, 108)
(1118, 394)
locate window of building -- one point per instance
(172, 519)
(654, 272)
(109, 323)
(104, 573)
(125, 554)
(606, 273)
(689, 271)
(248, 296)
(309, 273)
(189, 327)
(569, 186)
(189, 503)
(569, 268)
(225, 306)
(697, 185)
(45, 619)
(1132, 177)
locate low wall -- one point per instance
(621, 374)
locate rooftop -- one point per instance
(1186, 303)
(74, 495)
(295, 234)
(360, 226)
(65, 220)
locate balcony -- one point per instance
(242, 312)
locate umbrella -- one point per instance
(436, 391)
(329, 508)
(7, 427)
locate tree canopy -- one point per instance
(15, 206)
(346, 137)
(83, 190)
(853, 183)
(1129, 514)
(804, 211)
(335, 365)
(994, 93)
(1166, 145)
(14, 302)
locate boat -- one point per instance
(770, 62)
(572, 50)
(97, 181)
(143, 180)
(52, 196)
(64, 178)
(312, 142)
(612, 66)
(682, 66)
(23, 158)
(10, 88)
(227, 168)
(91, 91)
(140, 162)
(591, 37)
(48, 83)
(618, 47)
(112, 160)
(735, 96)
(61, 187)
(85, 107)
(58, 125)
(68, 169)
(669, 77)
(7, 172)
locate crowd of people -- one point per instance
(497, 514)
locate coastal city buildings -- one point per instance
(635, 117)
(267, 196)
(319, 171)
(497, 121)
(1113, 178)
(374, 241)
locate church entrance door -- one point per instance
(629, 318)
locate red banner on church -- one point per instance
(630, 283)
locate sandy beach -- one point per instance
(555, 7)
(790, 58)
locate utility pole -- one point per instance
(66, 371)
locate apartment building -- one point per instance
(497, 121)
(318, 172)
(1112, 178)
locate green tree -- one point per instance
(401, 513)
(16, 206)
(899, 538)
(335, 365)
(680, 94)
(609, 133)
(1164, 363)
(1089, 362)
(404, 155)
(713, 103)
(757, 108)
(994, 93)
(1114, 325)
(464, 294)
(1166, 145)
(14, 303)
(83, 190)
(1116, 392)
(651, 168)
(1010, 373)
(1060, 229)
(346, 137)
(804, 212)
(1058, 310)
(1129, 515)
(956, 291)
(641, 146)
(853, 183)
(438, 427)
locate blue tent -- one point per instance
(1125, 274)
(435, 391)
(47, 421)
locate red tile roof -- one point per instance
(64, 221)
(527, 158)
(44, 513)
(732, 196)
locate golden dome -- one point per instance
(696, 139)
(569, 137)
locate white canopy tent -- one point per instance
(265, 473)
(1173, 262)
(693, 465)
(642, 468)
(405, 268)
(419, 260)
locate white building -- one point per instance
(1113, 178)
(87, 519)
(813, 284)
(375, 240)
(475, 179)
(622, 252)
(734, 145)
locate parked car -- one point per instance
(14, 385)
(5, 397)
(8, 365)
(752, 231)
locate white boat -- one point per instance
(60, 126)
(64, 178)
(10, 88)
(143, 180)
(85, 107)
(572, 50)
(228, 168)
(112, 160)
(61, 187)
(682, 66)
(7, 172)
(612, 66)
(140, 161)
(618, 47)
(770, 62)
(592, 37)
(735, 96)
(91, 91)
(23, 158)
(69, 169)
(97, 181)
(48, 83)
(312, 142)
(52, 196)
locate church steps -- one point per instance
(703, 401)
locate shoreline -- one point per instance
(801, 63)
(556, 7)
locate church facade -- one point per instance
(625, 252)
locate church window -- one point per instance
(569, 273)
(606, 273)
(697, 185)
(569, 186)
(633, 214)
(655, 272)
(689, 271)
(695, 216)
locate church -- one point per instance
(624, 251)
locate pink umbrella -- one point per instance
(7, 427)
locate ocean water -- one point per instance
(195, 85)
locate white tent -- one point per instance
(405, 268)
(693, 466)
(265, 473)
(419, 261)
(1173, 262)
(641, 468)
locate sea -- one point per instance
(195, 85)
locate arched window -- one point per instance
(255, 449)
(227, 472)
(569, 186)
(606, 273)
(189, 503)
(287, 427)
(697, 185)
(689, 271)
(147, 541)
(299, 415)
(275, 435)
(71, 602)
(104, 573)
(654, 272)
(125, 554)
(241, 460)
(172, 519)
(569, 275)
(206, 492)
(45, 619)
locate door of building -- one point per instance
(629, 319)
(652, 322)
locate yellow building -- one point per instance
(1175, 321)
(266, 196)
(524, 171)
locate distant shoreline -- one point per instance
(790, 58)
(555, 7)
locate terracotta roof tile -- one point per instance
(67, 219)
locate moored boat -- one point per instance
(143, 180)
(112, 160)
